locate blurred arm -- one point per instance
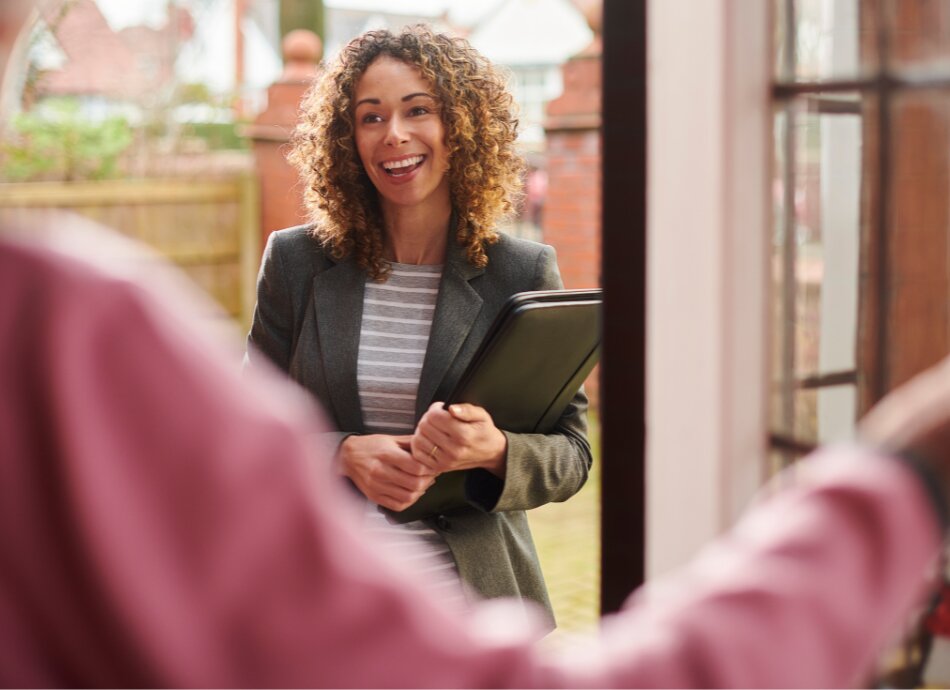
(162, 523)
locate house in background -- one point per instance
(353, 18)
(531, 38)
(75, 52)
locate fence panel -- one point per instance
(209, 228)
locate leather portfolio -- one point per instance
(534, 358)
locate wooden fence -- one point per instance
(211, 229)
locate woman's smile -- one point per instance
(402, 167)
(403, 170)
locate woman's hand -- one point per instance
(383, 468)
(460, 438)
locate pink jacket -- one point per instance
(162, 523)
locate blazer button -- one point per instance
(442, 523)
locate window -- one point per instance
(860, 196)
(533, 88)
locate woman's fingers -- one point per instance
(454, 419)
(384, 470)
(405, 461)
(461, 437)
(392, 488)
(393, 473)
(396, 500)
(432, 448)
(469, 413)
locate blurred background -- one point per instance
(207, 90)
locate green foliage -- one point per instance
(217, 135)
(57, 142)
(194, 92)
(205, 116)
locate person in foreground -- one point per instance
(166, 522)
(406, 150)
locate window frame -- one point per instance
(884, 84)
(683, 376)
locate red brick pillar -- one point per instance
(571, 220)
(911, 312)
(572, 206)
(281, 199)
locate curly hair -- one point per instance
(477, 111)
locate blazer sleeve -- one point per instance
(541, 468)
(272, 328)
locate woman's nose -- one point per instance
(396, 133)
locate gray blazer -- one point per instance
(307, 321)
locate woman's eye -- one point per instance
(419, 110)
(371, 117)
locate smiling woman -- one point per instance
(401, 143)
(406, 148)
(476, 109)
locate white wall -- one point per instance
(840, 221)
(708, 230)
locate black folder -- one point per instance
(534, 358)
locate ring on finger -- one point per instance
(435, 449)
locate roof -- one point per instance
(99, 61)
(92, 51)
(532, 32)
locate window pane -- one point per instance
(920, 33)
(825, 40)
(817, 197)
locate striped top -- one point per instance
(397, 318)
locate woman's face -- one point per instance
(400, 137)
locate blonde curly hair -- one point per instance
(477, 111)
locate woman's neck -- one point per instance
(416, 236)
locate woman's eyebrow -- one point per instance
(409, 97)
(418, 94)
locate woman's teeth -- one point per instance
(401, 167)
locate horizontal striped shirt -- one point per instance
(394, 334)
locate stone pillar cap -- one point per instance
(302, 50)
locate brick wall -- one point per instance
(281, 194)
(572, 207)
(912, 310)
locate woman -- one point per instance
(406, 147)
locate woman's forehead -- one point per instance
(392, 76)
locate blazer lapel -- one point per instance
(455, 310)
(338, 306)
